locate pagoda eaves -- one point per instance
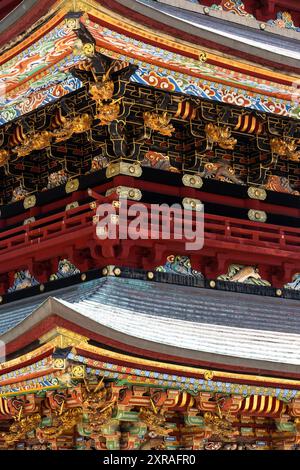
(126, 344)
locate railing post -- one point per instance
(227, 228)
(282, 238)
(26, 236)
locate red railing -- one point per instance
(47, 228)
(67, 227)
(253, 233)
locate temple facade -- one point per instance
(114, 336)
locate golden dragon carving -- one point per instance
(159, 122)
(220, 136)
(285, 148)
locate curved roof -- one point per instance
(19, 16)
(7, 6)
(240, 35)
(187, 322)
(35, 70)
(237, 36)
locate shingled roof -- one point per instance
(186, 321)
(187, 17)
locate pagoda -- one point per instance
(140, 343)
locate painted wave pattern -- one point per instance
(55, 53)
(146, 52)
(39, 98)
(44, 53)
(207, 90)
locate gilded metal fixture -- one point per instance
(126, 192)
(72, 185)
(193, 204)
(257, 216)
(29, 201)
(123, 168)
(192, 181)
(257, 193)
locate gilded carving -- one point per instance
(220, 136)
(257, 193)
(97, 407)
(75, 125)
(88, 49)
(285, 148)
(220, 426)
(4, 154)
(62, 338)
(108, 112)
(78, 372)
(102, 91)
(33, 141)
(19, 429)
(72, 23)
(158, 161)
(59, 424)
(155, 421)
(159, 122)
